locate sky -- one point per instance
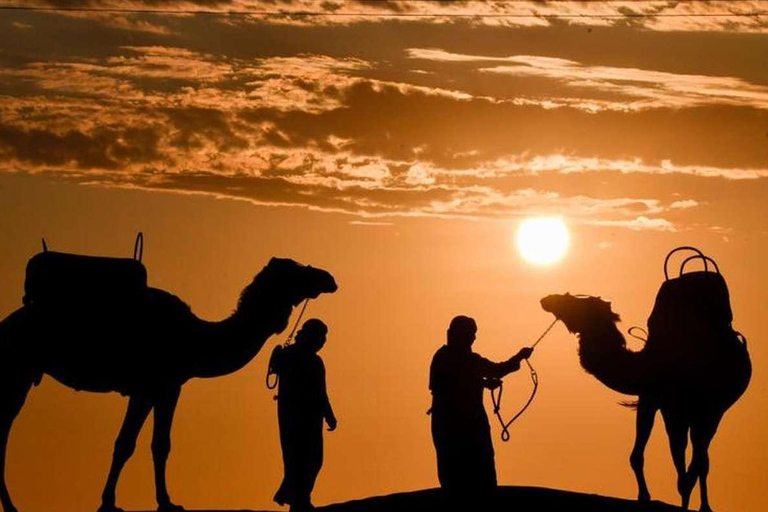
(397, 144)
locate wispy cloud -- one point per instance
(641, 88)
(684, 204)
(715, 15)
(637, 224)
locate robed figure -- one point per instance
(460, 429)
(302, 405)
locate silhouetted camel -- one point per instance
(692, 381)
(145, 346)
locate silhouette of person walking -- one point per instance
(460, 429)
(302, 405)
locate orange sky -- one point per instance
(400, 154)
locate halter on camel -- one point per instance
(496, 398)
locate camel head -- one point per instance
(298, 282)
(279, 287)
(579, 313)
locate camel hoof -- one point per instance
(644, 497)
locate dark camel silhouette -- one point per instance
(692, 381)
(145, 346)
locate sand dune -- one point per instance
(518, 499)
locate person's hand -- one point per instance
(332, 423)
(492, 383)
(525, 353)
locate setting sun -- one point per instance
(543, 240)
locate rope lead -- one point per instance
(272, 378)
(496, 398)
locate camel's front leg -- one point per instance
(138, 410)
(646, 414)
(165, 406)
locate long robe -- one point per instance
(460, 429)
(302, 403)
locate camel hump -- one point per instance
(60, 279)
(693, 308)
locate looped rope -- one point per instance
(634, 328)
(272, 378)
(496, 398)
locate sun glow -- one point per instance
(543, 240)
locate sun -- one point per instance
(543, 240)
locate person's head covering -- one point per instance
(461, 331)
(312, 334)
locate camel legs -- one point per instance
(165, 406)
(138, 410)
(13, 393)
(646, 414)
(677, 432)
(701, 436)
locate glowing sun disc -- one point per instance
(543, 240)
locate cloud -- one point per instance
(565, 164)
(362, 136)
(637, 224)
(684, 204)
(106, 148)
(640, 88)
(370, 223)
(159, 76)
(716, 15)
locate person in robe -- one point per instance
(302, 405)
(460, 429)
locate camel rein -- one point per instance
(496, 397)
(272, 377)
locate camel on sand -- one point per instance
(145, 347)
(692, 380)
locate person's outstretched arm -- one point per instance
(492, 370)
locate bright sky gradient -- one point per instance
(397, 144)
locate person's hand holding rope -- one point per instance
(524, 353)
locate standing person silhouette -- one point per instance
(460, 429)
(302, 405)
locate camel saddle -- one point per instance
(692, 306)
(63, 279)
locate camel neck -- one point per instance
(229, 345)
(603, 353)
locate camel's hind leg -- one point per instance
(646, 414)
(165, 406)
(701, 436)
(135, 416)
(677, 432)
(13, 393)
